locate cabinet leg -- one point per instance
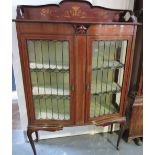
(29, 135)
(120, 135)
(111, 130)
(37, 137)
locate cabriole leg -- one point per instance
(120, 134)
(111, 130)
(37, 137)
(29, 135)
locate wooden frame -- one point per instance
(125, 77)
(80, 23)
(26, 78)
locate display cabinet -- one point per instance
(76, 62)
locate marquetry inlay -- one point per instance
(49, 12)
(74, 11)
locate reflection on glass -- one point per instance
(108, 59)
(49, 68)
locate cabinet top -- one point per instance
(69, 11)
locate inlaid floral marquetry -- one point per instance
(75, 11)
(49, 12)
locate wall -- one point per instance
(116, 4)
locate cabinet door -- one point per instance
(48, 65)
(106, 76)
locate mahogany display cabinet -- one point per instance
(76, 62)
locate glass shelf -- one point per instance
(56, 70)
(46, 96)
(109, 65)
(104, 88)
(49, 91)
(47, 66)
(103, 93)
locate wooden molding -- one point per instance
(69, 10)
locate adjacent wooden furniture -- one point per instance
(136, 93)
(76, 62)
(136, 122)
(136, 85)
(136, 110)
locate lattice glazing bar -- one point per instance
(108, 59)
(50, 58)
(102, 105)
(48, 111)
(49, 68)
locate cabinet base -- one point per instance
(31, 129)
(35, 129)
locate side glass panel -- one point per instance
(49, 68)
(108, 59)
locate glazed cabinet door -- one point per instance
(106, 76)
(49, 78)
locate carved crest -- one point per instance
(81, 29)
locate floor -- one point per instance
(98, 144)
(15, 116)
